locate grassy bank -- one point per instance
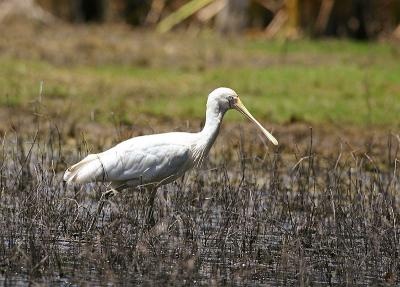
(169, 77)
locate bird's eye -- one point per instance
(231, 101)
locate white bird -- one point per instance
(158, 159)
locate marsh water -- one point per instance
(313, 221)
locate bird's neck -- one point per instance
(210, 130)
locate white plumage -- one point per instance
(161, 158)
(138, 161)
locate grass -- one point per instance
(319, 82)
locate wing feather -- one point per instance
(130, 161)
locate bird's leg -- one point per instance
(104, 197)
(150, 222)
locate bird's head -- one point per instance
(224, 99)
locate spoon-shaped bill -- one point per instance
(242, 109)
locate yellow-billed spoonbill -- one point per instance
(154, 160)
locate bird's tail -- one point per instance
(87, 170)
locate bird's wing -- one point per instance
(151, 163)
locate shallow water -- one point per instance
(254, 223)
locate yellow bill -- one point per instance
(242, 109)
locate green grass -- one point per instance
(318, 82)
(320, 47)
